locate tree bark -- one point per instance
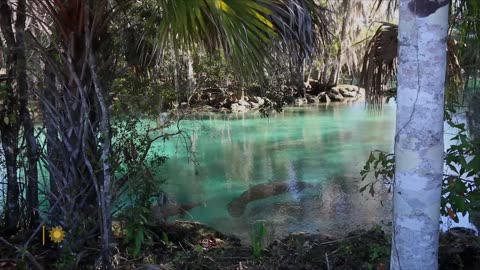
(419, 134)
(28, 128)
(347, 8)
(9, 122)
(105, 196)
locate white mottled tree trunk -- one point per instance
(419, 136)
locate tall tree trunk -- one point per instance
(9, 120)
(175, 74)
(51, 137)
(105, 196)
(28, 129)
(419, 134)
(347, 9)
(190, 74)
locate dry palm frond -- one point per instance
(380, 65)
(391, 5)
(301, 23)
(454, 73)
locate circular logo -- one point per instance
(57, 234)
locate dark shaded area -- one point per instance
(191, 245)
(424, 8)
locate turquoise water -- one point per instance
(325, 146)
(322, 145)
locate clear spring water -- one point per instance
(322, 145)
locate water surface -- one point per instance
(322, 145)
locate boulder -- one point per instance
(244, 103)
(348, 87)
(323, 97)
(311, 99)
(213, 98)
(334, 90)
(254, 105)
(237, 108)
(223, 110)
(347, 93)
(208, 108)
(335, 97)
(259, 100)
(301, 101)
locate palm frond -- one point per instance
(244, 30)
(391, 6)
(240, 28)
(380, 65)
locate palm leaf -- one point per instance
(244, 30)
(380, 65)
(240, 28)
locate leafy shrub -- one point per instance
(459, 188)
(137, 185)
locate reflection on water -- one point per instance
(323, 146)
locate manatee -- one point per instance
(237, 206)
(162, 212)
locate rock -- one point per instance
(346, 93)
(259, 100)
(163, 118)
(224, 110)
(348, 87)
(244, 103)
(334, 90)
(237, 108)
(301, 101)
(254, 105)
(323, 97)
(312, 99)
(208, 108)
(335, 97)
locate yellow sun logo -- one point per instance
(57, 234)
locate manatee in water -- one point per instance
(162, 212)
(237, 206)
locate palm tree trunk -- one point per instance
(31, 143)
(105, 196)
(419, 134)
(9, 122)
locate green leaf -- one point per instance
(198, 248)
(453, 168)
(362, 189)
